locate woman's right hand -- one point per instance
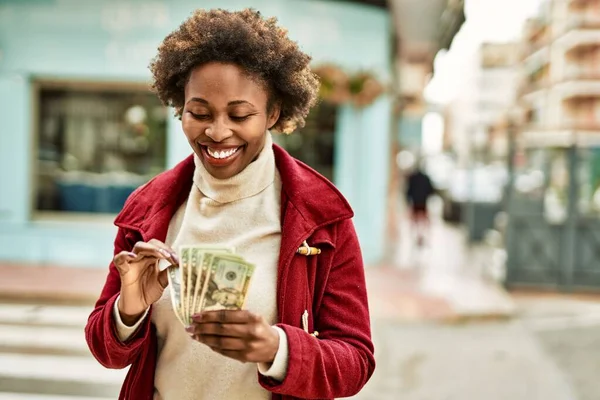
(142, 283)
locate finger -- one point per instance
(172, 254)
(219, 329)
(163, 278)
(121, 260)
(147, 250)
(224, 316)
(123, 256)
(222, 342)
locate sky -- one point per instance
(486, 21)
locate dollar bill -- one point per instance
(175, 291)
(184, 268)
(205, 256)
(226, 284)
(189, 278)
(192, 277)
(203, 273)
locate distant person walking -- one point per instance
(418, 190)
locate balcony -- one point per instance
(532, 87)
(578, 41)
(572, 89)
(538, 59)
(536, 136)
(582, 74)
(532, 137)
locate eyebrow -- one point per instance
(231, 103)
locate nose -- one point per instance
(218, 131)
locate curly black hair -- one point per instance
(257, 45)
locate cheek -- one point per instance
(191, 128)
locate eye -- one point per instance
(200, 117)
(239, 118)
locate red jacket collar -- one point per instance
(315, 198)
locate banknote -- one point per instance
(192, 277)
(173, 275)
(184, 268)
(226, 283)
(198, 289)
(209, 277)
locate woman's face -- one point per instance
(225, 117)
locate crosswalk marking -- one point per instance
(37, 338)
(68, 368)
(75, 316)
(27, 396)
(43, 351)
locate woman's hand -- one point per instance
(142, 283)
(237, 334)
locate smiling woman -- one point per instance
(225, 117)
(232, 77)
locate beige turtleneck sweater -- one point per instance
(242, 212)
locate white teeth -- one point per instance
(222, 153)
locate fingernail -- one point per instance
(132, 254)
(189, 329)
(197, 317)
(165, 253)
(175, 258)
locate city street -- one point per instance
(442, 332)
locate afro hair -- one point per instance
(245, 38)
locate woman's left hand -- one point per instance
(238, 334)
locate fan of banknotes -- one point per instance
(208, 278)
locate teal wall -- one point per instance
(114, 40)
(409, 133)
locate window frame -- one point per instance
(39, 84)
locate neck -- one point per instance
(253, 179)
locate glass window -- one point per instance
(530, 179)
(314, 144)
(588, 179)
(95, 146)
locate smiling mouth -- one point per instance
(220, 156)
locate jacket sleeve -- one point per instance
(101, 332)
(341, 360)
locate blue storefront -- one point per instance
(64, 59)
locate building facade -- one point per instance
(80, 130)
(555, 199)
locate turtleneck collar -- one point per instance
(255, 178)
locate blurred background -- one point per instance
(494, 295)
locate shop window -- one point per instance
(95, 145)
(314, 144)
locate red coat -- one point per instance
(331, 286)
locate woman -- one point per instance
(231, 77)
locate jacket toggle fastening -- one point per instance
(307, 251)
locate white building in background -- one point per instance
(460, 113)
(560, 100)
(561, 75)
(498, 86)
(475, 120)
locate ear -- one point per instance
(273, 115)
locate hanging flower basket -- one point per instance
(334, 84)
(337, 87)
(364, 89)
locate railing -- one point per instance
(583, 21)
(589, 126)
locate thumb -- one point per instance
(163, 279)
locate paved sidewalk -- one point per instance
(47, 283)
(491, 361)
(442, 281)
